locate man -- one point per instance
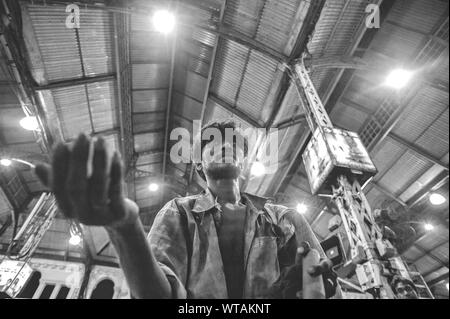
(219, 244)
(404, 288)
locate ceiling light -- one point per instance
(258, 169)
(163, 21)
(446, 285)
(399, 78)
(437, 199)
(29, 123)
(75, 240)
(428, 227)
(5, 162)
(302, 208)
(153, 187)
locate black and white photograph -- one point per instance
(224, 154)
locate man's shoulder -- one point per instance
(184, 201)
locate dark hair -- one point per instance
(397, 280)
(222, 126)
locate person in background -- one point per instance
(404, 288)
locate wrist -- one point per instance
(129, 224)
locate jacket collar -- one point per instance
(206, 201)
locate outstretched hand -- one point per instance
(93, 198)
(290, 284)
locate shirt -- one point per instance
(184, 241)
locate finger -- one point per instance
(115, 187)
(77, 178)
(60, 164)
(320, 269)
(302, 251)
(43, 172)
(98, 183)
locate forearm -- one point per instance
(145, 277)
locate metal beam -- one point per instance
(434, 270)
(210, 75)
(389, 194)
(241, 115)
(360, 36)
(429, 253)
(76, 81)
(236, 36)
(435, 184)
(419, 151)
(438, 280)
(169, 103)
(299, 119)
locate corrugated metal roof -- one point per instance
(96, 41)
(51, 32)
(407, 169)
(149, 100)
(148, 141)
(72, 109)
(348, 117)
(150, 76)
(102, 103)
(425, 264)
(435, 138)
(388, 155)
(256, 83)
(333, 34)
(421, 182)
(243, 15)
(229, 70)
(433, 239)
(411, 14)
(426, 108)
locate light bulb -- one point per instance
(163, 21)
(437, 199)
(30, 123)
(399, 78)
(5, 162)
(153, 187)
(75, 240)
(428, 227)
(302, 208)
(258, 169)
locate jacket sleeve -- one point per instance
(289, 218)
(168, 244)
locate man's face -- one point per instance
(223, 159)
(405, 291)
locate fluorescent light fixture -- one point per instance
(437, 199)
(75, 240)
(428, 227)
(153, 187)
(398, 78)
(163, 21)
(302, 208)
(258, 169)
(29, 123)
(5, 162)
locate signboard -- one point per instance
(333, 153)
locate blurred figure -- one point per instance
(404, 288)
